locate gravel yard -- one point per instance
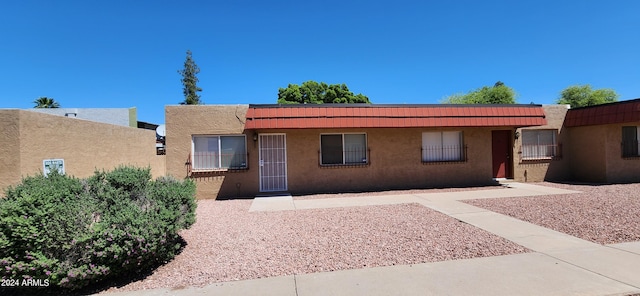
(603, 214)
(229, 243)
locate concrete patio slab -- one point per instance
(272, 203)
(539, 188)
(342, 202)
(633, 247)
(610, 262)
(450, 207)
(522, 274)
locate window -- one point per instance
(539, 144)
(630, 144)
(338, 149)
(442, 146)
(219, 152)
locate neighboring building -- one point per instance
(117, 116)
(160, 135)
(31, 138)
(239, 151)
(604, 142)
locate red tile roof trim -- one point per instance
(387, 116)
(619, 112)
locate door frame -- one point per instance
(261, 162)
(508, 158)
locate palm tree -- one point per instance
(44, 102)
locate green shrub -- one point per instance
(75, 232)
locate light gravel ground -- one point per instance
(229, 243)
(604, 214)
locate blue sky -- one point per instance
(116, 54)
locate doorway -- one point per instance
(502, 154)
(273, 162)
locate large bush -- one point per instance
(73, 232)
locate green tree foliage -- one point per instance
(583, 95)
(190, 81)
(75, 232)
(499, 93)
(311, 92)
(45, 102)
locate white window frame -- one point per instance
(539, 151)
(344, 155)
(216, 163)
(434, 146)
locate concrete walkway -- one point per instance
(560, 264)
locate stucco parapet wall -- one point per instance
(205, 119)
(117, 116)
(85, 146)
(555, 115)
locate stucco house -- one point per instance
(248, 150)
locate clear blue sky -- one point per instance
(115, 54)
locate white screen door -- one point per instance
(273, 162)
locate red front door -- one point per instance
(501, 153)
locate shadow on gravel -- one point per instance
(595, 184)
(492, 185)
(119, 281)
(398, 190)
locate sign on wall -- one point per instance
(49, 165)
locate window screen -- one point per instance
(219, 152)
(343, 149)
(442, 146)
(538, 144)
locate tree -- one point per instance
(319, 93)
(44, 102)
(189, 81)
(499, 93)
(583, 95)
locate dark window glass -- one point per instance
(630, 141)
(331, 147)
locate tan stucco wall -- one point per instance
(550, 170)
(395, 157)
(84, 145)
(10, 148)
(619, 170)
(596, 155)
(184, 121)
(395, 162)
(586, 153)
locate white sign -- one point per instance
(48, 165)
